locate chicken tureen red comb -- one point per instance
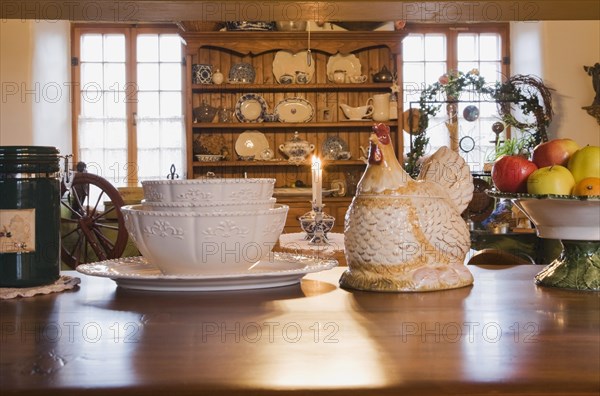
(383, 132)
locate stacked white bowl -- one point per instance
(206, 226)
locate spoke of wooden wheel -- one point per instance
(110, 227)
(89, 235)
(93, 212)
(112, 209)
(74, 191)
(104, 241)
(102, 215)
(76, 247)
(69, 233)
(73, 211)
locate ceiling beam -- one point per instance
(339, 10)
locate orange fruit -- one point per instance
(587, 186)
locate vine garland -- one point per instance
(522, 90)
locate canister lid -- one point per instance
(28, 159)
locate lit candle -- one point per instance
(317, 182)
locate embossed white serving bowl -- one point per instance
(204, 207)
(197, 243)
(209, 190)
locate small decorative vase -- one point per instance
(218, 77)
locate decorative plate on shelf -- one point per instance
(288, 63)
(346, 62)
(251, 143)
(294, 110)
(332, 146)
(251, 108)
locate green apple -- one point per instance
(585, 162)
(555, 179)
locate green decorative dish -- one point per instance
(575, 221)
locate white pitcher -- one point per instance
(381, 106)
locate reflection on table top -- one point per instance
(502, 335)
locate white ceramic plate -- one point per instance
(285, 62)
(250, 108)
(282, 269)
(294, 110)
(251, 143)
(347, 62)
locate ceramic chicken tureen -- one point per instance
(402, 234)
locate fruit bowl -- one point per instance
(575, 221)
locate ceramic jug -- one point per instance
(381, 106)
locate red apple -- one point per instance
(510, 173)
(555, 179)
(554, 152)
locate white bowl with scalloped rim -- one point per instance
(196, 243)
(209, 190)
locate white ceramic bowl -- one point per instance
(560, 216)
(208, 190)
(191, 243)
(209, 206)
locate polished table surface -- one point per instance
(504, 335)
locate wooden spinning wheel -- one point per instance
(92, 225)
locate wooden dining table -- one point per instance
(502, 335)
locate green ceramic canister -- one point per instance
(29, 216)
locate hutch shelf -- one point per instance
(224, 49)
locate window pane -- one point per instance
(171, 134)
(91, 133)
(467, 66)
(147, 48)
(490, 71)
(91, 76)
(490, 47)
(114, 105)
(467, 47)
(91, 105)
(433, 71)
(114, 48)
(147, 134)
(115, 134)
(91, 48)
(148, 104)
(147, 78)
(170, 48)
(170, 104)
(412, 48)
(435, 47)
(170, 77)
(149, 161)
(114, 76)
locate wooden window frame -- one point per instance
(131, 32)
